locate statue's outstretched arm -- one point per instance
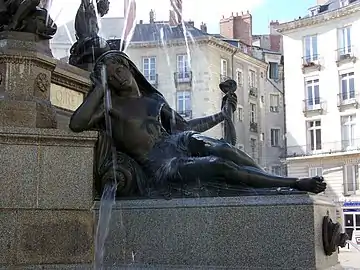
(90, 112)
(205, 123)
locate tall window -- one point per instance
(252, 78)
(252, 113)
(183, 67)
(224, 69)
(149, 68)
(274, 71)
(275, 137)
(315, 171)
(347, 86)
(313, 94)
(310, 48)
(253, 148)
(344, 3)
(314, 135)
(240, 114)
(351, 179)
(344, 35)
(239, 78)
(348, 124)
(274, 103)
(184, 103)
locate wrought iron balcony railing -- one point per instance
(185, 113)
(253, 91)
(321, 148)
(253, 127)
(183, 77)
(315, 104)
(153, 79)
(348, 98)
(311, 62)
(345, 54)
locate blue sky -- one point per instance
(282, 10)
(199, 11)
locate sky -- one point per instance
(207, 11)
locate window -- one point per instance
(344, 3)
(224, 67)
(351, 179)
(348, 131)
(314, 135)
(252, 113)
(274, 103)
(240, 114)
(274, 71)
(184, 103)
(275, 137)
(239, 78)
(252, 78)
(253, 148)
(347, 86)
(149, 68)
(344, 35)
(315, 171)
(314, 11)
(310, 49)
(276, 170)
(183, 67)
(313, 94)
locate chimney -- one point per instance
(272, 26)
(203, 27)
(141, 22)
(176, 6)
(152, 16)
(129, 16)
(191, 23)
(239, 27)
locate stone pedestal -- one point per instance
(46, 196)
(26, 65)
(262, 232)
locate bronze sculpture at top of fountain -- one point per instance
(26, 16)
(159, 152)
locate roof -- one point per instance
(332, 5)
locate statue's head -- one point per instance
(103, 7)
(121, 74)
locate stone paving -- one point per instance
(349, 258)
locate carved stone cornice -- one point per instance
(318, 19)
(38, 60)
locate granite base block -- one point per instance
(264, 232)
(46, 197)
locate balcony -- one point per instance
(313, 106)
(253, 127)
(338, 147)
(153, 80)
(253, 92)
(348, 100)
(187, 114)
(184, 77)
(311, 63)
(345, 55)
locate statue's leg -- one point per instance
(219, 148)
(207, 168)
(23, 9)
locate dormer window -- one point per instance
(314, 10)
(344, 3)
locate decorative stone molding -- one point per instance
(318, 19)
(41, 82)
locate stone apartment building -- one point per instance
(321, 52)
(188, 72)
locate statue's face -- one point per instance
(103, 7)
(120, 77)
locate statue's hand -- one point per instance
(231, 99)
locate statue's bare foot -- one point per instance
(314, 184)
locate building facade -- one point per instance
(322, 76)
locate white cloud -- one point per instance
(199, 11)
